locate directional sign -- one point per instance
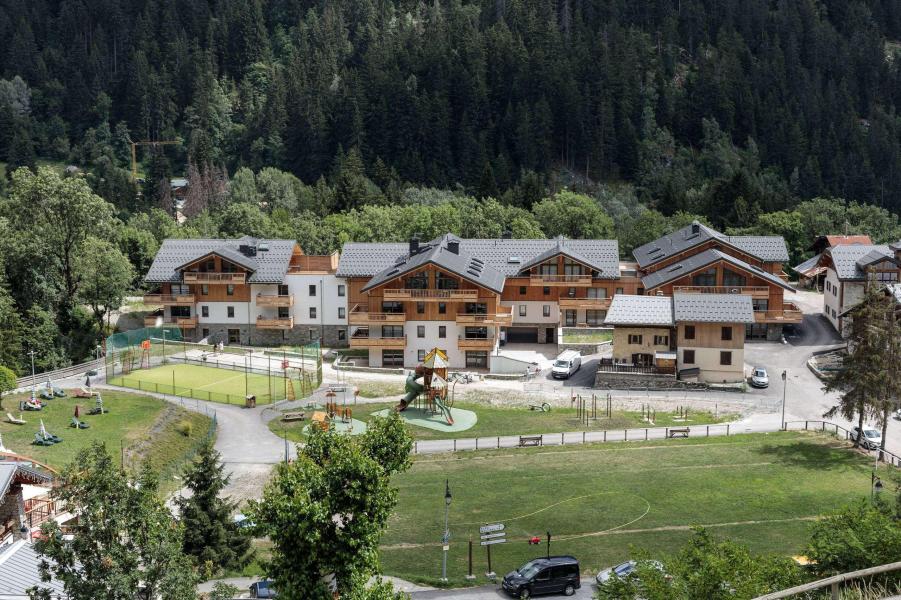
(490, 542)
(491, 528)
(489, 536)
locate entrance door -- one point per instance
(234, 336)
(550, 335)
(642, 360)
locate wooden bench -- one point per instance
(530, 440)
(677, 432)
(294, 416)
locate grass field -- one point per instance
(148, 428)
(204, 383)
(498, 420)
(600, 500)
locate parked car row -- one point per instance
(560, 575)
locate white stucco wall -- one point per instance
(326, 301)
(534, 312)
(708, 361)
(831, 295)
(218, 312)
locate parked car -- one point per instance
(553, 575)
(898, 415)
(566, 364)
(871, 438)
(760, 378)
(262, 589)
(624, 570)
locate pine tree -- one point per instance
(211, 535)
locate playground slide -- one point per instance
(412, 389)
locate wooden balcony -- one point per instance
(758, 291)
(501, 318)
(360, 316)
(183, 322)
(169, 299)
(215, 278)
(465, 343)
(561, 280)
(275, 300)
(275, 322)
(360, 340)
(584, 303)
(790, 313)
(432, 295)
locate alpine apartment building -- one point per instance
(248, 291)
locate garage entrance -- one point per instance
(522, 335)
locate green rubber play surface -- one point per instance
(463, 419)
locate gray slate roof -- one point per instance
(713, 308)
(627, 309)
(19, 571)
(807, 265)
(766, 248)
(268, 266)
(507, 257)
(845, 259)
(701, 260)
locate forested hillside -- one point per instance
(335, 120)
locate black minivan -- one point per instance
(550, 575)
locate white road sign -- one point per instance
(490, 542)
(491, 528)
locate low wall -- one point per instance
(583, 348)
(614, 380)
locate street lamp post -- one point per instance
(784, 386)
(446, 538)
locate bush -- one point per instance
(185, 428)
(7, 380)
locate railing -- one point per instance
(586, 303)
(475, 343)
(184, 322)
(431, 295)
(358, 316)
(275, 300)
(167, 299)
(364, 341)
(722, 289)
(40, 509)
(495, 319)
(828, 427)
(275, 322)
(560, 279)
(219, 278)
(608, 366)
(832, 582)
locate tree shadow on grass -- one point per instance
(811, 455)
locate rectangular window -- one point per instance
(204, 290)
(283, 312)
(619, 290)
(312, 289)
(420, 308)
(204, 311)
(312, 312)
(522, 310)
(180, 311)
(661, 340)
(725, 358)
(546, 291)
(342, 335)
(395, 308)
(442, 331)
(689, 332)
(234, 336)
(229, 290)
(570, 318)
(705, 278)
(475, 308)
(476, 359)
(571, 292)
(597, 292)
(392, 358)
(442, 308)
(230, 312)
(420, 355)
(688, 357)
(640, 291)
(341, 290)
(420, 331)
(205, 333)
(595, 317)
(522, 290)
(635, 338)
(546, 310)
(475, 333)
(283, 290)
(314, 334)
(731, 278)
(726, 334)
(392, 331)
(342, 312)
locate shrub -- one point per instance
(185, 428)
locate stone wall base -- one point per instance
(297, 336)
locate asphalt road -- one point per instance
(493, 592)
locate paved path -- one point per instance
(493, 591)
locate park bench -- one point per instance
(530, 440)
(294, 416)
(677, 432)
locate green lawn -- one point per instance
(503, 420)
(205, 383)
(146, 427)
(598, 501)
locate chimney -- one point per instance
(414, 245)
(453, 246)
(695, 228)
(507, 235)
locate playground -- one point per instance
(600, 501)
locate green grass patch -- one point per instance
(509, 420)
(599, 501)
(147, 428)
(205, 383)
(586, 337)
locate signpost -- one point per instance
(490, 535)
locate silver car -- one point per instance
(760, 378)
(624, 570)
(871, 438)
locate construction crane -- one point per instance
(134, 154)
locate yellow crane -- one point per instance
(134, 154)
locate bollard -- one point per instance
(477, 443)
(561, 438)
(498, 442)
(727, 430)
(625, 435)
(583, 437)
(645, 434)
(708, 431)
(605, 435)
(415, 447)
(455, 445)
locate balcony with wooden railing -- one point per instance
(432, 295)
(561, 280)
(214, 278)
(476, 343)
(503, 316)
(584, 303)
(275, 322)
(169, 299)
(361, 339)
(275, 300)
(756, 291)
(183, 322)
(360, 316)
(790, 313)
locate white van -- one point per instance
(566, 364)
